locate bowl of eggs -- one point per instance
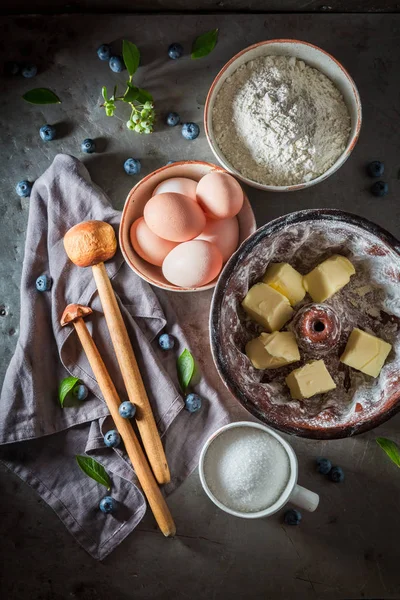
(181, 223)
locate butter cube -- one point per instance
(313, 378)
(365, 352)
(328, 277)
(286, 280)
(267, 307)
(273, 350)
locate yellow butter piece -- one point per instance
(273, 350)
(286, 280)
(267, 306)
(328, 277)
(313, 378)
(365, 352)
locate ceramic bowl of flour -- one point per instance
(282, 115)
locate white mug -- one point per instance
(292, 493)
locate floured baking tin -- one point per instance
(371, 301)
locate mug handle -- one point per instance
(304, 498)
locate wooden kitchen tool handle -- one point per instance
(131, 376)
(142, 469)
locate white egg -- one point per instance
(192, 264)
(179, 185)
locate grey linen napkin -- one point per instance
(40, 439)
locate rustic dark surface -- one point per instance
(348, 547)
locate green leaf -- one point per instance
(66, 386)
(185, 365)
(41, 96)
(104, 92)
(144, 96)
(391, 449)
(204, 44)
(131, 57)
(131, 93)
(94, 469)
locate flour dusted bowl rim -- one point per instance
(313, 56)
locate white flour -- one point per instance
(280, 122)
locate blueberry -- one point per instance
(190, 131)
(80, 392)
(376, 168)
(47, 133)
(127, 410)
(323, 465)
(112, 438)
(171, 162)
(29, 71)
(379, 188)
(292, 517)
(132, 166)
(104, 52)
(166, 341)
(175, 51)
(107, 505)
(11, 68)
(336, 474)
(23, 188)
(192, 403)
(116, 64)
(43, 283)
(88, 146)
(172, 119)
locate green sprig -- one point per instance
(140, 101)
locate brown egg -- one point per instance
(148, 245)
(219, 195)
(174, 217)
(224, 233)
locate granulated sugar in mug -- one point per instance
(250, 471)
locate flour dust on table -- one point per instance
(246, 470)
(280, 122)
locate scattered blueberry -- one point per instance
(112, 438)
(88, 146)
(127, 410)
(323, 465)
(29, 71)
(80, 392)
(171, 162)
(336, 474)
(47, 133)
(190, 131)
(175, 51)
(116, 64)
(376, 168)
(132, 166)
(43, 283)
(292, 517)
(11, 68)
(23, 188)
(379, 188)
(172, 119)
(192, 403)
(107, 505)
(104, 52)
(166, 341)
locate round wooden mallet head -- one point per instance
(90, 243)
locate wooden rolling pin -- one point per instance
(73, 314)
(89, 244)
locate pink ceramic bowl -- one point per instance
(133, 209)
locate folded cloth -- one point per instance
(39, 438)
